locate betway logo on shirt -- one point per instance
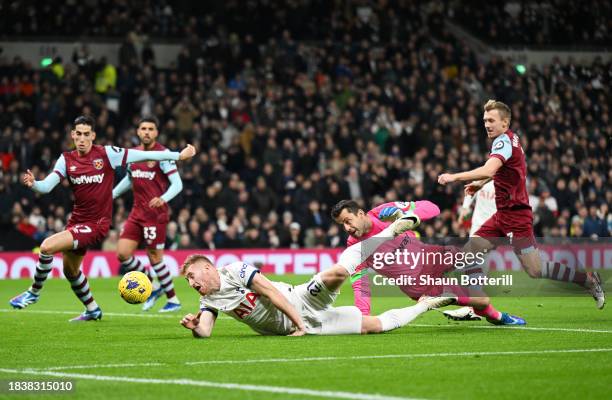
(143, 174)
(86, 179)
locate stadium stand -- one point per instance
(537, 24)
(291, 118)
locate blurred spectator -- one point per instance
(110, 243)
(594, 224)
(551, 22)
(338, 107)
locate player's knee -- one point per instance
(46, 248)
(477, 244)
(370, 324)
(123, 254)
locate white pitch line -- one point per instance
(110, 314)
(458, 325)
(331, 358)
(387, 356)
(62, 368)
(514, 328)
(219, 385)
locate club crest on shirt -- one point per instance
(98, 163)
(151, 164)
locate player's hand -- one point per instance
(156, 202)
(471, 188)
(389, 214)
(191, 321)
(446, 178)
(462, 214)
(28, 179)
(298, 332)
(187, 153)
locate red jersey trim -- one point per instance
(499, 156)
(60, 174)
(171, 172)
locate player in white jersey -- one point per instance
(277, 308)
(484, 206)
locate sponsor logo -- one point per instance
(138, 173)
(87, 179)
(243, 270)
(98, 163)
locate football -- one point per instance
(135, 287)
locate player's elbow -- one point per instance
(338, 273)
(201, 333)
(179, 185)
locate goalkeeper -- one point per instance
(361, 225)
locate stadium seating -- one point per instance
(373, 108)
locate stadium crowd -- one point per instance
(560, 23)
(287, 126)
(507, 22)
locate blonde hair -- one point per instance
(502, 108)
(192, 259)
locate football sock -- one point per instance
(488, 312)
(561, 272)
(42, 272)
(399, 317)
(80, 287)
(134, 264)
(163, 274)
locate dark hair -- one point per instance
(149, 118)
(350, 205)
(84, 120)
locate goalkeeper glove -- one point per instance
(390, 214)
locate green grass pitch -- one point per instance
(565, 353)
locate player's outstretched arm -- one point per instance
(118, 156)
(201, 325)
(389, 212)
(487, 171)
(50, 182)
(123, 186)
(261, 285)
